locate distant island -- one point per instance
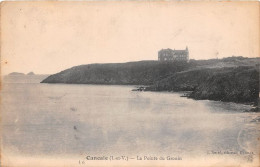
(20, 74)
(16, 73)
(31, 73)
(232, 79)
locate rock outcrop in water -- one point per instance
(234, 79)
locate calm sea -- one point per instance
(66, 119)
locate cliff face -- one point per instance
(236, 85)
(181, 81)
(233, 84)
(133, 73)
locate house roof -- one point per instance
(175, 52)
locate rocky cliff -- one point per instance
(233, 84)
(234, 79)
(132, 73)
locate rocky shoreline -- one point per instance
(239, 85)
(233, 79)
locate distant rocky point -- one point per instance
(16, 73)
(31, 73)
(232, 79)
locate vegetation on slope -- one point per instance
(132, 73)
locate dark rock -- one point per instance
(239, 85)
(235, 84)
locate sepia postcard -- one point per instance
(129, 83)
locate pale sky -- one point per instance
(48, 37)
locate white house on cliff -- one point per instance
(173, 55)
